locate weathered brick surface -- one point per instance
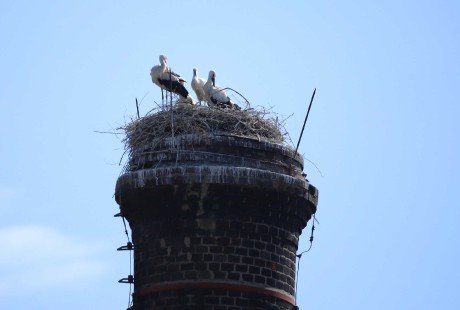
(215, 225)
(164, 254)
(212, 299)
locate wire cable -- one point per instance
(130, 301)
(126, 230)
(300, 256)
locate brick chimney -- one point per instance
(215, 221)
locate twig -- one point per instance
(109, 132)
(315, 167)
(247, 102)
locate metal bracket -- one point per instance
(128, 247)
(129, 279)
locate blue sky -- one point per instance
(383, 131)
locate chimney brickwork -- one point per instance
(215, 222)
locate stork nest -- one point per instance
(183, 119)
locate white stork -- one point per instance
(216, 96)
(168, 80)
(197, 86)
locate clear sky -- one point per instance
(383, 130)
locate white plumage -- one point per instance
(215, 95)
(197, 86)
(163, 77)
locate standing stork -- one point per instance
(216, 96)
(166, 79)
(197, 86)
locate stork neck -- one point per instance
(163, 64)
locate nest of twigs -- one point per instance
(183, 119)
